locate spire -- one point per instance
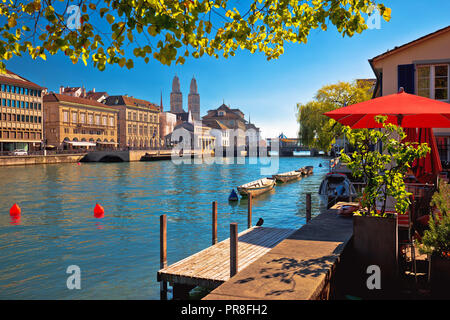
(193, 88)
(175, 84)
(161, 104)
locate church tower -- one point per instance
(194, 100)
(176, 97)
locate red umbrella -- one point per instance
(429, 167)
(406, 110)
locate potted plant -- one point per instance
(436, 242)
(381, 160)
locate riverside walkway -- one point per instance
(210, 267)
(298, 268)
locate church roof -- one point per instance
(176, 84)
(229, 113)
(193, 87)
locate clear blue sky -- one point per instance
(268, 91)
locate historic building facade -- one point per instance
(232, 119)
(138, 122)
(21, 119)
(421, 67)
(74, 122)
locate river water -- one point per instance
(118, 255)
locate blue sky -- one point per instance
(267, 91)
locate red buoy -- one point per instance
(15, 210)
(99, 212)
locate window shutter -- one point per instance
(406, 77)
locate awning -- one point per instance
(81, 143)
(106, 142)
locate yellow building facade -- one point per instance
(138, 122)
(73, 122)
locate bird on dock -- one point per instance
(260, 222)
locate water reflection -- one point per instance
(119, 254)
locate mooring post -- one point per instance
(249, 211)
(163, 252)
(308, 207)
(233, 249)
(214, 222)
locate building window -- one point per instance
(129, 115)
(91, 119)
(74, 117)
(83, 118)
(111, 122)
(65, 116)
(97, 119)
(129, 129)
(105, 120)
(433, 81)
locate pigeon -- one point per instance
(260, 222)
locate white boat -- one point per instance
(255, 188)
(288, 176)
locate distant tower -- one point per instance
(176, 97)
(194, 100)
(161, 108)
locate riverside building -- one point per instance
(73, 122)
(21, 121)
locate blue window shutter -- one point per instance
(406, 78)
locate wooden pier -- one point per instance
(210, 267)
(216, 264)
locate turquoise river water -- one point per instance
(118, 255)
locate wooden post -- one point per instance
(249, 211)
(163, 252)
(233, 249)
(214, 222)
(308, 207)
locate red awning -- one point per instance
(406, 110)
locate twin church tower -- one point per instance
(176, 99)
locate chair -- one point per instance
(405, 225)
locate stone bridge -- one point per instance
(119, 156)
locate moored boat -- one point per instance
(336, 187)
(302, 170)
(255, 188)
(287, 176)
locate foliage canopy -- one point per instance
(169, 30)
(318, 130)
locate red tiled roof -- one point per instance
(19, 82)
(52, 97)
(95, 95)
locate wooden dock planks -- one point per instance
(211, 267)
